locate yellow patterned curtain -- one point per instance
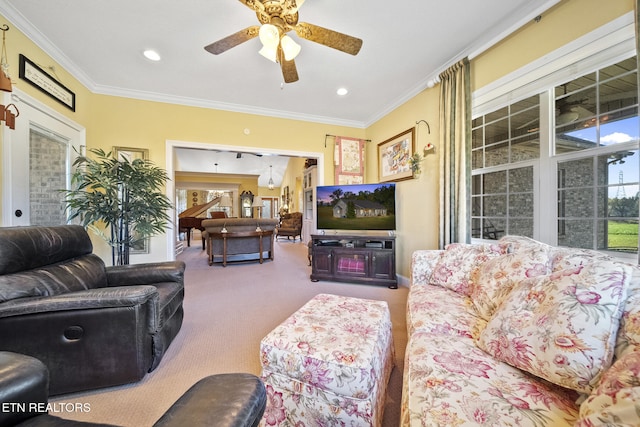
(455, 158)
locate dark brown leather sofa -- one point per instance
(92, 326)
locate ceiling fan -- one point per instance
(568, 111)
(278, 17)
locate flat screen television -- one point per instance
(357, 207)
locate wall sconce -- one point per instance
(429, 148)
(7, 116)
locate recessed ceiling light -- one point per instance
(342, 91)
(151, 55)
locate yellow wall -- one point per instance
(113, 121)
(416, 199)
(293, 176)
(565, 22)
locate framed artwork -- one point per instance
(140, 246)
(131, 154)
(349, 161)
(394, 155)
(46, 83)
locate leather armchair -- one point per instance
(92, 326)
(291, 225)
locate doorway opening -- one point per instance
(172, 168)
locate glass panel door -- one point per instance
(47, 177)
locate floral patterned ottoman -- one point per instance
(328, 364)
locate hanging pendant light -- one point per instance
(270, 184)
(5, 81)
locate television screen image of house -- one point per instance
(356, 207)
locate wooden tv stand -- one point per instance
(354, 258)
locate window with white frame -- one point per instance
(561, 165)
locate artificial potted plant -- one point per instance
(118, 199)
(414, 163)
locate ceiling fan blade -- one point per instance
(233, 40)
(330, 38)
(289, 71)
(527, 124)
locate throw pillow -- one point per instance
(453, 269)
(563, 258)
(616, 400)
(514, 243)
(561, 327)
(492, 281)
(629, 334)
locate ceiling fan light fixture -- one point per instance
(269, 36)
(567, 117)
(290, 48)
(271, 53)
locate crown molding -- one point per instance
(490, 39)
(484, 43)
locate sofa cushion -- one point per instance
(442, 311)
(561, 327)
(238, 224)
(513, 243)
(616, 400)
(422, 264)
(629, 334)
(456, 263)
(170, 297)
(493, 280)
(26, 248)
(451, 382)
(85, 272)
(563, 258)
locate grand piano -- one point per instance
(192, 218)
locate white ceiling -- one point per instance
(232, 163)
(406, 44)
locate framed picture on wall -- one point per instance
(394, 155)
(130, 154)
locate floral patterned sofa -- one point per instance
(521, 333)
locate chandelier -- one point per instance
(270, 184)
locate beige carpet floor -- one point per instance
(227, 312)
